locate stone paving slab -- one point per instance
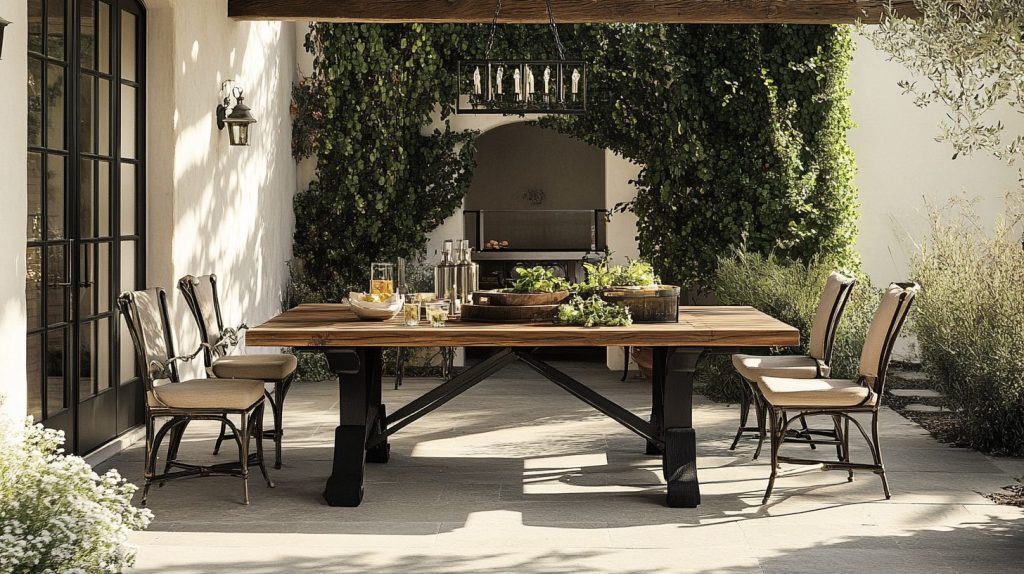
(517, 476)
(921, 393)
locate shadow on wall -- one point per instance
(229, 207)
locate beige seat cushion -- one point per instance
(752, 367)
(789, 392)
(262, 367)
(233, 394)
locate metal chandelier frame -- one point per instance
(510, 86)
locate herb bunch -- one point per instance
(593, 312)
(538, 280)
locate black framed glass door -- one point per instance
(86, 205)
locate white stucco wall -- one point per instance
(901, 168)
(214, 208)
(13, 180)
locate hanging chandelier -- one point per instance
(492, 86)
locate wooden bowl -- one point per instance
(507, 298)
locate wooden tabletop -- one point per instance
(334, 325)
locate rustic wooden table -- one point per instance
(353, 351)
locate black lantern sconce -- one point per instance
(3, 24)
(235, 117)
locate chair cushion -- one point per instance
(835, 393)
(208, 394)
(262, 367)
(752, 367)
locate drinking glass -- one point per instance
(411, 314)
(382, 280)
(437, 315)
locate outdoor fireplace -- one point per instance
(537, 198)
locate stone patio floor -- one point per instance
(517, 476)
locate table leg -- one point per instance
(679, 461)
(355, 368)
(657, 402)
(381, 452)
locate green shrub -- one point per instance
(969, 323)
(56, 514)
(788, 291)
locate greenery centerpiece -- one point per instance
(635, 286)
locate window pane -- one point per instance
(55, 197)
(86, 359)
(86, 190)
(56, 284)
(55, 29)
(102, 355)
(128, 45)
(101, 278)
(127, 118)
(87, 34)
(86, 121)
(127, 199)
(103, 121)
(103, 198)
(55, 367)
(54, 98)
(34, 287)
(103, 38)
(35, 102)
(35, 26)
(34, 374)
(127, 266)
(35, 197)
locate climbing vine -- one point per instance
(740, 132)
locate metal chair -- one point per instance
(277, 369)
(831, 306)
(145, 314)
(841, 398)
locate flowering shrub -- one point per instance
(56, 514)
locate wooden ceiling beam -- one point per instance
(571, 11)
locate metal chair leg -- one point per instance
(744, 412)
(761, 409)
(154, 452)
(877, 452)
(220, 438)
(177, 432)
(804, 429)
(774, 444)
(259, 446)
(625, 366)
(243, 457)
(846, 445)
(399, 368)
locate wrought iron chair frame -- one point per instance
(780, 420)
(217, 349)
(750, 395)
(251, 416)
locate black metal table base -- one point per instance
(364, 426)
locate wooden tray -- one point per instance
(504, 298)
(509, 313)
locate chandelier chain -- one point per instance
(551, 23)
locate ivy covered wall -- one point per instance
(741, 132)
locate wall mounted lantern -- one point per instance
(3, 24)
(235, 117)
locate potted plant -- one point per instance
(634, 286)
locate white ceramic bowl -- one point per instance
(369, 311)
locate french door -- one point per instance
(86, 197)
